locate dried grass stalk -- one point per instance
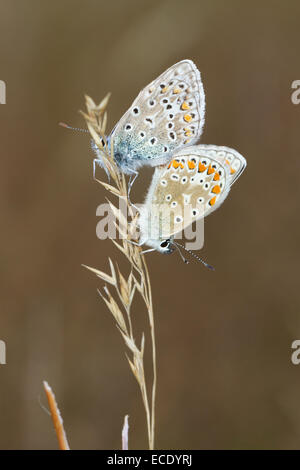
(138, 281)
(56, 417)
(125, 430)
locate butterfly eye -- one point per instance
(165, 243)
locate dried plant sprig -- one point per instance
(138, 280)
(56, 418)
(125, 430)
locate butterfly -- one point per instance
(193, 185)
(168, 114)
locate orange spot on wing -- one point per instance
(185, 105)
(169, 166)
(177, 164)
(201, 167)
(176, 91)
(232, 170)
(165, 89)
(187, 117)
(191, 164)
(216, 189)
(212, 201)
(216, 177)
(210, 170)
(188, 133)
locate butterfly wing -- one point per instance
(167, 115)
(190, 187)
(224, 155)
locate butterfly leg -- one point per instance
(147, 251)
(132, 178)
(98, 161)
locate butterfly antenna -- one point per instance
(195, 256)
(63, 124)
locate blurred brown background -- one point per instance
(225, 377)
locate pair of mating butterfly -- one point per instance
(159, 130)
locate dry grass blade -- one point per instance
(115, 310)
(138, 280)
(105, 277)
(110, 188)
(118, 214)
(124, 289)
(56, 418)
(125, 430)
(121, 248)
